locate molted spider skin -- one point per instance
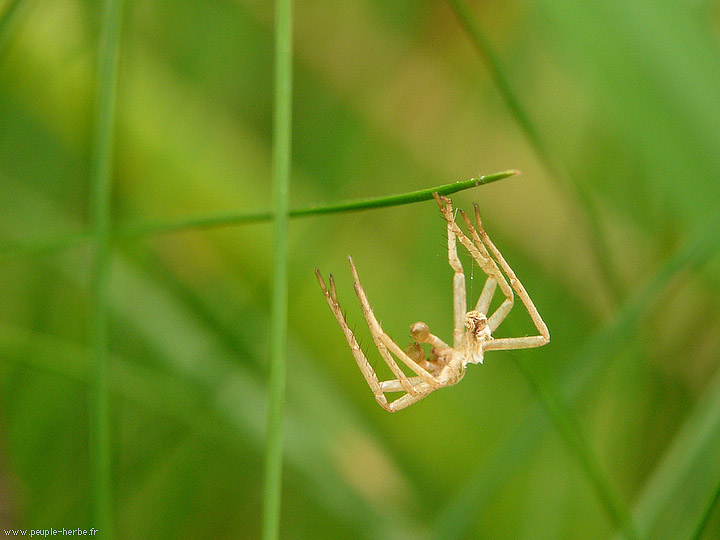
(472, 334)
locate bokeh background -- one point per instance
(613, 228)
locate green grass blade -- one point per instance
(589, 214)
(282, 156)
(697, 535)
(101, 182)
(679, 495)
(356, 205)
(46, 245)
(404, 198)
(40, 246)
(167, 395)
(575, 440)
(214, 398)
(455, 518)
(8, 22)
(497, 72)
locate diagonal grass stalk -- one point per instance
(8, 22)
(282, 156)
(100, 204)
(588, 215)
(714, 500)
(46, 245)
(369, 203)
(454, 520)
(575, 440)
(677, 498)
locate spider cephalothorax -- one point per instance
(476, 324)
(472, 334)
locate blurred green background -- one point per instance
(612, 227)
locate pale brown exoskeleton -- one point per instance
(473, 329)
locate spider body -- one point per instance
(472, 334)
(476, 334)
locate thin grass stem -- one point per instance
(282, 155)
(48, 245)
(356, 205)
(100, 204)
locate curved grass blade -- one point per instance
(575, 440)
(674, 502)
(454, 520)
(9, 22)
(356, 205)
(40, 246)
(702, 524)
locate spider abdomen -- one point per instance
(451, 373)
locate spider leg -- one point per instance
(502, 311)
(385, 343)
(416, 387)
(520, 342)
(483, 303)
(480, 254)
(459, 288)
(365, 368)
(395, 385)
(459, 291)
(409, 399)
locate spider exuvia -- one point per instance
(473, 329)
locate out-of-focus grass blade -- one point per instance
(585, 212)
(575, 440)
(9, 21)
(675, 499)
(711, 505)
(654, 74)
(156, 391)
(456, 517)
(210, 379)
(100, 206)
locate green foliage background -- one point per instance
(615, 425)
